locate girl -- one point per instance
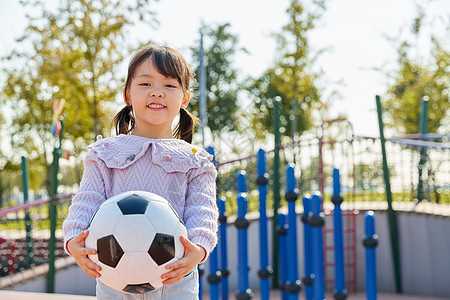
(147, 155)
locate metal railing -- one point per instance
(25, 234)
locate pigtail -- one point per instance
(124, 121)
(185, 127)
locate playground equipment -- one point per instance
(362, 186)
(262, 181)
(313, 219)
(370, 241)
(32, 249)
(241, 224)
(293, 284)
(359, 175)
(340, 292)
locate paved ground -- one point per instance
(9, 295)
(275, 295)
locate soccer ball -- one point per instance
(136, 234)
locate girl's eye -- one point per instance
(144, 84)
(170, 86)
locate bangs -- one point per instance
(170, 65)
(167, 61)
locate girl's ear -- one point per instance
(186, 99)
(125, 99)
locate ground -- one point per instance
(275, 295)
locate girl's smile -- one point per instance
(156, 106)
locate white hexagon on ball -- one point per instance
(137, 268)
(109, 215)
(134, 233)
(162, 216)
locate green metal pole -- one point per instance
(423, 120)
(53, 215)
(391, 214)
(423, 128)
(276, 113)
(29, 239)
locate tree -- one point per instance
(415, 78)
(222, 85)
(291, 77)
(72, 53)
(5, 165)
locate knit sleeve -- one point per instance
(201, 213)
(87, 200)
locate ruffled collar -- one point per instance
(173, 154)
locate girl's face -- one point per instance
(156, 101)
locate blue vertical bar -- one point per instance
(307, 242)
(242, 243)
(282, 245)
(291, 196)
(214, 274)
(265, 271)
(340, 292)
(316, 220)
(242, 224)
(213, 277)
(242, 185)
(223, 247)
(370, 242)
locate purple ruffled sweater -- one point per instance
(172, 168)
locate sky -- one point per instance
(353, 32)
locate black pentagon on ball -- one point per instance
(162, 248)
(138, 288)
(133, 205)
(109, 251)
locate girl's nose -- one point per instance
(157, 93)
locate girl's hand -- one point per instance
(193, 255)
(80, 254)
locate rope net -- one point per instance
(419, 172)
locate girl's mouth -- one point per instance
(155, 106)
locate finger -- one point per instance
(89, 267)
(170, 281)
(186, 243)
(89, 264)
(79, 251)
(174, 273)
(89, 251)
(178, 264)
(172, 277)
(173, 280)
(92, 273)
(81, 237)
